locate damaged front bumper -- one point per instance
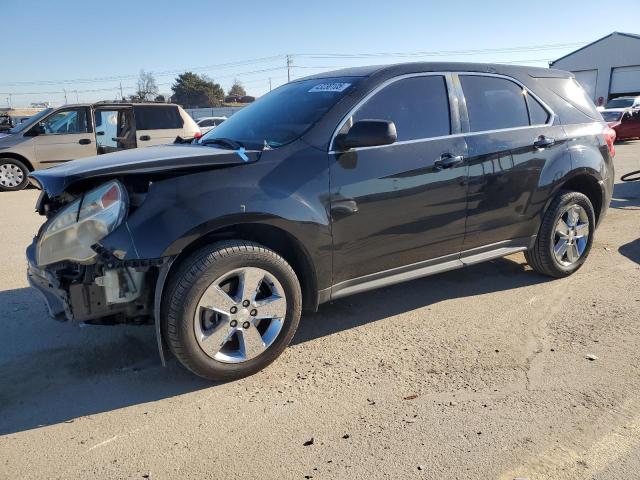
(106, 292)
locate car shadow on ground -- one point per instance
(631, 250)
(54, 372)
(626, 195)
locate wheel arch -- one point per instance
(589, 185)
(17, 156)
(273, 237)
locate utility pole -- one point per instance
(9, 100)
(289, 65)
(269, 83)
(77, 101)
(65, 96)
(121, 94)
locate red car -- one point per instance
(625, 121)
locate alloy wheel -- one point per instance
(240, 315)
(571, 235)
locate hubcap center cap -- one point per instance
(243, 314)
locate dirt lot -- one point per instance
(478, 373)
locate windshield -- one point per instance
(620, 103)
(284, 114)
(32, 120)
(611, 116)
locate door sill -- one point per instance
(428, 267)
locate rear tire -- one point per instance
(213, 320)
(565, 237)
(13, 175)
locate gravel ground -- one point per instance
(473, 374)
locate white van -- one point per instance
(70, 132)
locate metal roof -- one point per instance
(632, 35)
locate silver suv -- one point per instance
(70, 132)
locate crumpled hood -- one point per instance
(163, 158)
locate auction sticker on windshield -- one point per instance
(330, 87)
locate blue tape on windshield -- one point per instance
(241, 151)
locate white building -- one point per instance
(606, 68)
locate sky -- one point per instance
(89, 47)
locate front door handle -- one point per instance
(448, 160)
(145, 138)
(543, 142)
(84, 141)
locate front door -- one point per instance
(394, 205)
(68, 135)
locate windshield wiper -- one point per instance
(233, 144)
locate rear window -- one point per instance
(161, 117)
(494, 103)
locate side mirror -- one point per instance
(37, 129)
(368, 133)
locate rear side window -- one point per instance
(419, 107)
(569, 90)
(151, 117)
(494, 103)
(538, 114)
(206, 123)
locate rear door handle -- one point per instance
(448, 160)
(84, 141)
(543, 142)
(145, 138)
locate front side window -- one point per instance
(66, 122)
(494, 103)
(419, 107)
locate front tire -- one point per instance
(565, 237)
(231, 309)
(13, 175)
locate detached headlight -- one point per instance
(83, 223)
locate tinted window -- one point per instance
(611, 116)
(151, 117)
(66, 122)
(418, 106)
(206, 123)
(537, 113)
(494, 103)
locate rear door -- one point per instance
(157, 124)
(511, 141)
(392, 205)
(68, 136)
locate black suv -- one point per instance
(330, 185)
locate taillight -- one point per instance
(610, 137)
(197, 135)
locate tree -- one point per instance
(237, 90)
(192, 91)
(147, 88)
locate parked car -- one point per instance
(623, 102)
(209, 123)
(70, 132)
(625, 122)
(328, 186)
(6, 123)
